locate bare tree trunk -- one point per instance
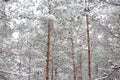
(80, 63)
(48, 47)
(73, 57)
(89, 55)
(88, 40)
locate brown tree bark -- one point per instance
(48, 53)
(48, 47)
(89, 54)
(88, 40)
(73, 57)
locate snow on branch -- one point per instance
(61, 8)
(49, 16)
(104, 69)
(112, 3)
(14, 73)
(114, 69)
(101, 78)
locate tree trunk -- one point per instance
(89, 55)
(80, 63)
(73, 57)
(48, 47)
(88, 40)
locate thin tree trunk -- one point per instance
(48, 47)
(88, 41)
(89, 55)
(73, 57)
(80, 63)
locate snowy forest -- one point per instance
(59, 39)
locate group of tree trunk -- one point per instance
(72, 47)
